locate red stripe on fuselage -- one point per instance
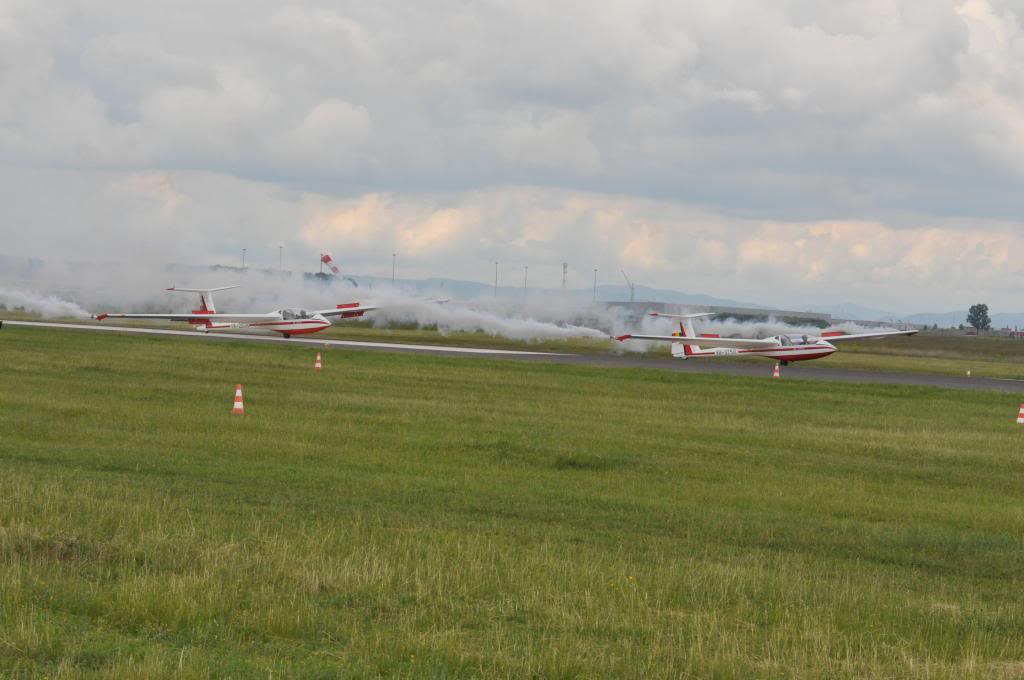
(786, 349)
(323, 324)
(301, 331)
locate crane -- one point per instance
(632, 291)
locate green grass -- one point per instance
(412, 516)
(938, 353)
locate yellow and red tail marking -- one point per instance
(349, 315)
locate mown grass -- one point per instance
(429, 517)
(939, 353)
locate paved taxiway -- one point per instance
(725, 367)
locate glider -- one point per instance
(686, 344)
(287, 322)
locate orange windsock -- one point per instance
(238, 409)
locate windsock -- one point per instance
(1020, 415)
(317, 366)
(775, 371)
(326, 259)
(238, 409)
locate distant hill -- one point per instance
(643, 293)
(456, 288)
(849, 310)
(951, 319)
(942, 319)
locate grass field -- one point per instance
(938, 353)
(417, 516)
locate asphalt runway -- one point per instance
(723, 367)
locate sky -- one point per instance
(784, 152)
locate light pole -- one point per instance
(280, 259)
(495, 279)
(595, 284)
(526, 273)
(243, 259)
(394, 257)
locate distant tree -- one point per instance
(977, 316)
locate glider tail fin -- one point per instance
(205, 297)
(685, 331)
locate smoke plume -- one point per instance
(48, 306)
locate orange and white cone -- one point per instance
(239, 408)
(1020, 415)
(317, 366)
(775, 371)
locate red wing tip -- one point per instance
(653, 314)
(101, 317)
(347, 305)
(620, 338)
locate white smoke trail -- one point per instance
(475, 317)
(135, 287)
(46, 305)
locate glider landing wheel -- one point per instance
(286, 335)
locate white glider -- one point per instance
(686, 344)
(287, 322)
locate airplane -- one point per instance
(287, 322)
(782, 348)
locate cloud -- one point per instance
(664, 244)
(153, 218)
(872, 261)
(559, 140)
(157, 187)
(782, 149)
(623, 96)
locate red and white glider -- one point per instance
(287, 322)
(782, 348)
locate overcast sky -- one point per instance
(788, 152)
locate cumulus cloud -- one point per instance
(667, 244)
(770, 151)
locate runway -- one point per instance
(318, 342)
(725, 367)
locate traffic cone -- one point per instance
(1020, 415)
(238, 409)
(317, 366)
(775, 371)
